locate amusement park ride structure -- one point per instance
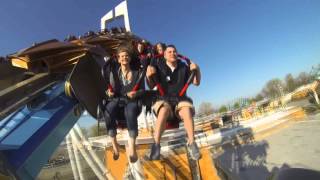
(44, 90)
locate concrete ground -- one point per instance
(297, 145)
(64, 172)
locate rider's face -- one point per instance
(159, 49)
(140, 48)
(170, 54)
(123, 58)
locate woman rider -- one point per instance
(159, 49)
(122, 79)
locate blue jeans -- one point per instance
(130, 111)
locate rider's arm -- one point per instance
(197, 77)
(150, 73)
(141, 89)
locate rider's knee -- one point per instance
(163, 106)
(184, 107)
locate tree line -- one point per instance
(273, 88)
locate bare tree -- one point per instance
(290, 83)
(315, 72)
(205, 108)
(272, 88)
(303, 79)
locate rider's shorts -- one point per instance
(174, 109)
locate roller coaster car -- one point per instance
(10, 75)
(87, 84)
(50, 56)
(150, 96)
(27, 73)
(78, 63)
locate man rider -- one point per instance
(172, 74)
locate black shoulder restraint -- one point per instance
(185, 86)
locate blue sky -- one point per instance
(239, 44)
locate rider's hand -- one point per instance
(194, 67)
(150, 71)
(110, 93)
(131, 94)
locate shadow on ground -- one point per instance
(240, 157)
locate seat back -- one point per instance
(121, 121)
(173, 123)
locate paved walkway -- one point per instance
(295, 146)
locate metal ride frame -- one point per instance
(37, 114)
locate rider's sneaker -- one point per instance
(155, 152)
(194, 151)
(133, 159)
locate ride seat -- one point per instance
(121, 120)
(172, 123)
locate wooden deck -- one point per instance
(174, 164)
